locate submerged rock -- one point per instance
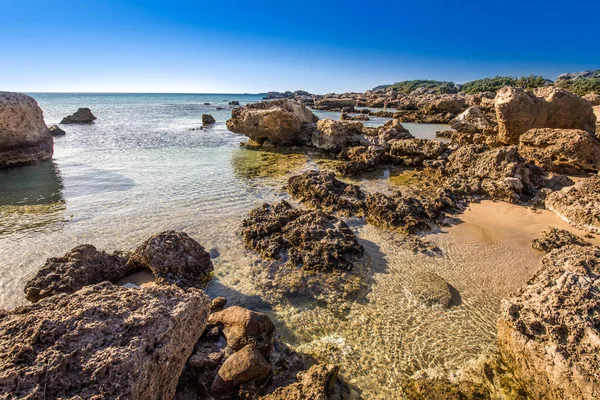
(208, 119)
(430, 289)
(104, 341)
(565, 151)
(578, 205)
(281, 122)
(82, 266)
(174, 257)
(55, 130)
(518, 111)
(24, 136)
(554, 238)
(548, 332)
(81, 116)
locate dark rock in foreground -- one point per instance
(554, 238)
(24, 136)
(103, 341)
(174, 257)
(82, 266)
(548, 332)
(81, 116)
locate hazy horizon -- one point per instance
(155, 46)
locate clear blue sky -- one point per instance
(254, 46)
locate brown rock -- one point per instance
(104, 341)
(243, 366)
(82, 266)
(317, 383)
(335, 135)
(548, 332)
(565, 151)
(208, 119)
(55, 130)
(412, 152)
(333, 103)
(24, 136)
(217, 304)
(554, 238)
(430, 289)
(174, 257)
(81, 116)
(242, 327)
(578, 205)
(470, 121)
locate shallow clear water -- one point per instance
(140, 169)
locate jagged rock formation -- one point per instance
(578, 205)
(24, 136)
(81, 116)
(471, 120)
(554, 238)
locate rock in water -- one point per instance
(242, 327)
(336, 135)
(281, 122)
(518, 111)
(564, 151)
(245, 365)
(104, 341)
(24, 136)
(554, 238)
(578, 205)
(208, 119)
(81, 116)
(548, 332)
(82, 266)
(174, 257)
(470, 121)
(431, 289)
(55, 130)
(317, 383)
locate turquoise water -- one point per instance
(141, 169)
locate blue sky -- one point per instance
(253, 46)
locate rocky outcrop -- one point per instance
(336, 135)
(82, 266)
(334, 103)
(55, 130)
(518, 111)
(597, 114)
(317, 383)
(104, 341)
(565, 151)
(24, 136)
(383, 136)
(208, 119)
(280, 122)
(593, 98)
(548, 332)
(312, 240)
(361, 159)
(554, 238)
(174, 258)
(470, 121)
(578, 205)
(414, 152)
(81, 116)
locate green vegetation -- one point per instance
(580, 86)
(439, 87)
(493, 84)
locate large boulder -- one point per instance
(24, 136)
(565, 151)
(174, 257)
(578, 205)
(208, 119)
(242, 327)
(82, 266)
(471, 120)
(548, 332)
(81, 116)
(104, 341)
(518, 111)
(243, 366)
(281, 122)
(335, 135)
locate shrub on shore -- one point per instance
(580, 86)
(439, 87)
(494, 84)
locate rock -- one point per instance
(554, 238)
(82, 266)
(361, 159)
(578, 205)
(328, 104)
(321, 190)
(281, 122)
(470, 121)
(243, 366)
(81, 116)
(445, 103)
(336, 135)
(24, 136)
(397, 211)
(430, 289)
(312, 240)
(564, 151)
(242, 327)
(384, 135)
(518, 111)
(174, 257)
(443, 389)
(548, 332)
(594, 99)
(55, 130)
(234, 103)
(208, 119)
(104, 341)
(360, 117)
(317, 383)
(413, 152)
(597, 114)
(217, 304)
